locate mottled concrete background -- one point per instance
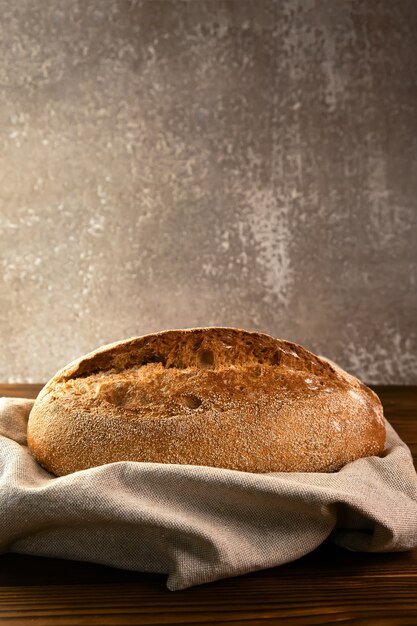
(175, 164)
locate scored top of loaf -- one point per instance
(201, 348)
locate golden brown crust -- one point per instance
(222, 397)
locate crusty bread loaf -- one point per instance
(206, 396)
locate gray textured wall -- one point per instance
(175, 164)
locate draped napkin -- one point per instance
(198, 524)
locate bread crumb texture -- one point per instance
(221, 397)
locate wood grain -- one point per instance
(328, 586)
(20, 390)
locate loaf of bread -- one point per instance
(221, 397)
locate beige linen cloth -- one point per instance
(198, 524)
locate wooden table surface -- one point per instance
(328, 586)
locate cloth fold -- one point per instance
(199, 524)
